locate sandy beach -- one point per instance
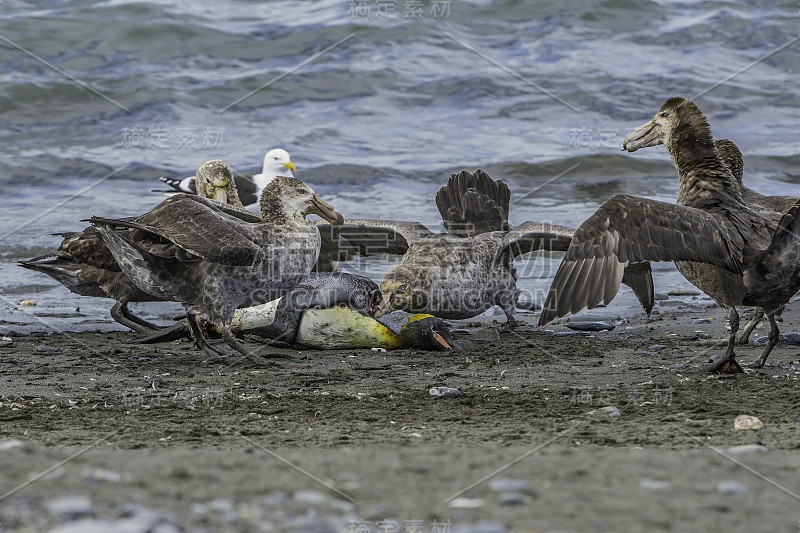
(619, 430)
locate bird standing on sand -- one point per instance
(725, 248)
(85, 266)
(214, 258)
(276, 163)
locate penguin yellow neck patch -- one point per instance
(416, 318)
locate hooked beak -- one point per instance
(648, 134)
(290, 166)
(384, 307)
(325, 210)
(221, 194)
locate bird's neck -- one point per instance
(263, 179)
(704, 180)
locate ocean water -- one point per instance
(378, 103)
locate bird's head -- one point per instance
(214, 179)
(278, 163)
(286, 199)
(401, 291)
(426, 332)
(678, 118)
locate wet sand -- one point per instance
(188, 442)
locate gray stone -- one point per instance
(786, 338)
(660, 296)
(445, 392)
(501, 484)
(512, 498)
(790, 338)
(70, 507)
(656, 347)
(731, 487)
(652, 484)
(571, 333)
(701, 321)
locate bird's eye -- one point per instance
(401, 288)
(301, 191)
(275, 158)
(665, 114)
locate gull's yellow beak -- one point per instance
(290, 166)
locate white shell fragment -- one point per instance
(747, 422)
(445, 392)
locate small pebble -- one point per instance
(6, 341)
(313, 497)
(466, 503)
(27, 302)
(43, 348)
(571, 333)
(70, 508)
(702, 321)
(591, 326)
(501, 484)
(379, 350)
(731, 487)
(747, 422)
(660, 297)
(446, 392)
(512, 498)
(642, 352)
(656, 347)
(652, 484)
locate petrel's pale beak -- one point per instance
(325, 210)
(221, 194)
(384, 307)
(290, 166)
(645, 135)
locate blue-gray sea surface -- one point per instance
(378, 103)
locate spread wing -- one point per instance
(367, 237)
(198, 226)
(531, 236)
(628, 229)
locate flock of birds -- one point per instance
(273, 272)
